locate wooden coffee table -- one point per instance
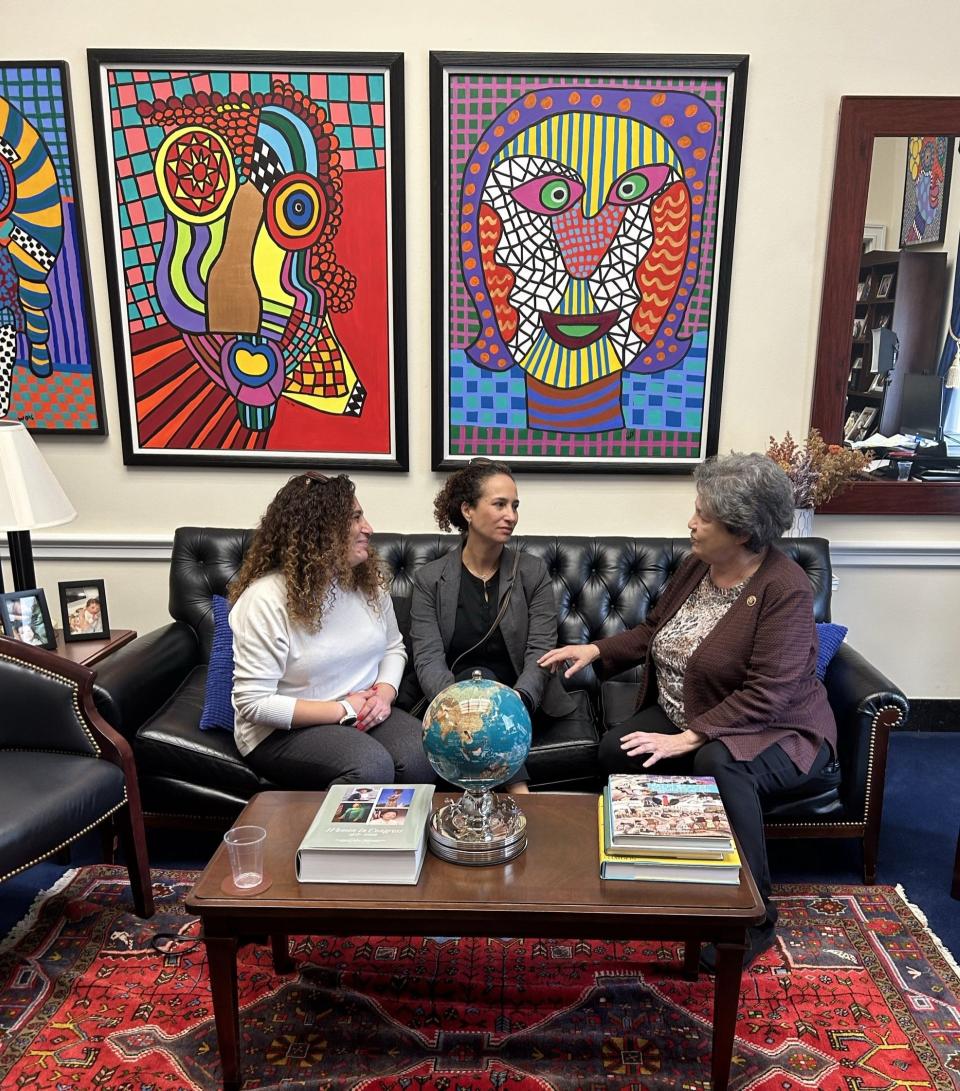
(553, 890)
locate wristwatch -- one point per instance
(349, 714)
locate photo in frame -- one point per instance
(83, 607)
(49, 367)
(926, 187)
(583, 220)
(883, 288)
(25, 617)
(253, 211)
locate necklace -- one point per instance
(485, 580)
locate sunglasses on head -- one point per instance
(315, 475)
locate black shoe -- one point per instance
(759, 939)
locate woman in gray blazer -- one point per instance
(458, 597)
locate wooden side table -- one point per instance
(88, 652)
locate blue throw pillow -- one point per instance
(217, 709)
(829, 637)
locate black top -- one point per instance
(477, 606)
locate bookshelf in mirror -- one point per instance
(903, 291)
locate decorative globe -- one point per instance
(476, 733)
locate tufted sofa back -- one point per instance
(602, 584)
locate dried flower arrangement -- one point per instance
(817, 470)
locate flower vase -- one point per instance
(802, 526)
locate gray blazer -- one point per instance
(529, 627)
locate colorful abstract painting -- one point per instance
(583, 228)
(49, 371)
(926, 186)
(253, 211)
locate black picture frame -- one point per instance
(76, 598)
(314, 372)
(476, 100)
(75, 407)
(13, 606)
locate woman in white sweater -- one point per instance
(317, 653)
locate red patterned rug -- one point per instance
(856, 996)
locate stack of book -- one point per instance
(665, 829)
(367, 833)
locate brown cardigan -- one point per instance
(752, 681)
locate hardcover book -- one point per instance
(666, 815)
(367, 833)
(666, 869)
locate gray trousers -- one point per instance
(311, 758)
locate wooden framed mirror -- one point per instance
(863, 119)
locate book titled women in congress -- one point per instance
(367, 833)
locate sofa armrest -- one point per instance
(133, 683)
(866, 705)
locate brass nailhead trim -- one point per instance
(69, 840)
(69, 682)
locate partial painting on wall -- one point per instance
(584, 210)
(49, 372)
(253, 211)
(926, 186)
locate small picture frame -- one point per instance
(861, 294)
(883, 320)
(850, 425)
(859, 328)
(878, 381)
(883, 288)
(865, 420)
(83, 606)
(865, 287)
(857, 363)
(25, 617)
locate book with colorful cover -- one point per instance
(660, 815)
(367, 833)
(666, 869)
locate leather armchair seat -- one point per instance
(152, 689)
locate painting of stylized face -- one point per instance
(925, 189)
(251, 186)
(579, 227)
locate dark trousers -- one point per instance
(311, 758)
(741, 783)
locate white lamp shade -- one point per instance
(30, 496)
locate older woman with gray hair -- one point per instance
(733, 693)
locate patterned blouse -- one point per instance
(681, 636)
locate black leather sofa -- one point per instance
(152, 690)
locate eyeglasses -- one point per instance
(315, 475)
(480, 460)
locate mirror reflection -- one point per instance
(897, 382)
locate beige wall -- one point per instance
(803, 57)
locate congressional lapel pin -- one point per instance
(751, 600)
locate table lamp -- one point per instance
(30, 498)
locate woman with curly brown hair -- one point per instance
(317, 653)
(458, 597)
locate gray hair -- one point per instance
(749, 494)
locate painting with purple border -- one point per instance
(583, 218)
(49, 370)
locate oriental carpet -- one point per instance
(857, 995)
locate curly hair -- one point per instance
(749, 494)
(304, 535)
(465, 486)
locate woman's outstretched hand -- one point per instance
(573, 657)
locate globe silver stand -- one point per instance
(477, 829)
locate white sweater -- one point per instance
(277, 662)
